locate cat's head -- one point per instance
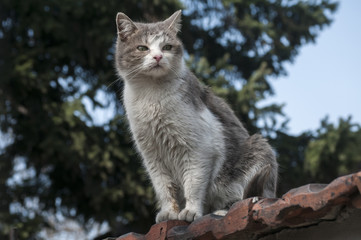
(148, 49)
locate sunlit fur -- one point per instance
(197, 153)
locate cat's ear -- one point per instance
(125, 26)
(173, 22)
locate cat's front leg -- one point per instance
(169, 208)
(166, 193)
(192, 211)
(166, 214)
(195, 183)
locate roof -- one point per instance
(254, 218)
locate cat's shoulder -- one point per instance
(195, 90)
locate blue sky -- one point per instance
(325, 78)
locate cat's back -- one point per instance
(216, 105)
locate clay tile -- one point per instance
(253, 217)
(131, 236)
(356, 202)
(357, 179)
(159, 231)
(306, 189)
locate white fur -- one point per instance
(178, 143)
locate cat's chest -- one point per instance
(158, 115)
(169, 126)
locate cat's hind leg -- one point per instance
(263, 182)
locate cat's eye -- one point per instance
(167, 47)
(142, 48)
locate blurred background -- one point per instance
(68, 169)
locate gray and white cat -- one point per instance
(197, 153)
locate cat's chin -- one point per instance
(157, 71)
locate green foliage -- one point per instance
(290, 156)
(334, 151)
(321, 156)
(56, 57)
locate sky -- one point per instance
(325, 78)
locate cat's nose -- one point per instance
(158, 58)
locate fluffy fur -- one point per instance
(197, 153)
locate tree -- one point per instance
(334, 151)
(254, 35)
(56, 56)
(290, 156)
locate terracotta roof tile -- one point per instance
(253, 217)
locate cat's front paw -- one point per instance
(165, 215)
(189, 215)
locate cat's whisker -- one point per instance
(112, 83)
(132, 77)
(133, 73)
(176, 73)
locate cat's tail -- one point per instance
(264, 182)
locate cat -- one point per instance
(197, 153)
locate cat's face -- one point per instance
(148, 50)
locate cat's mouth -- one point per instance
(156, 67)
